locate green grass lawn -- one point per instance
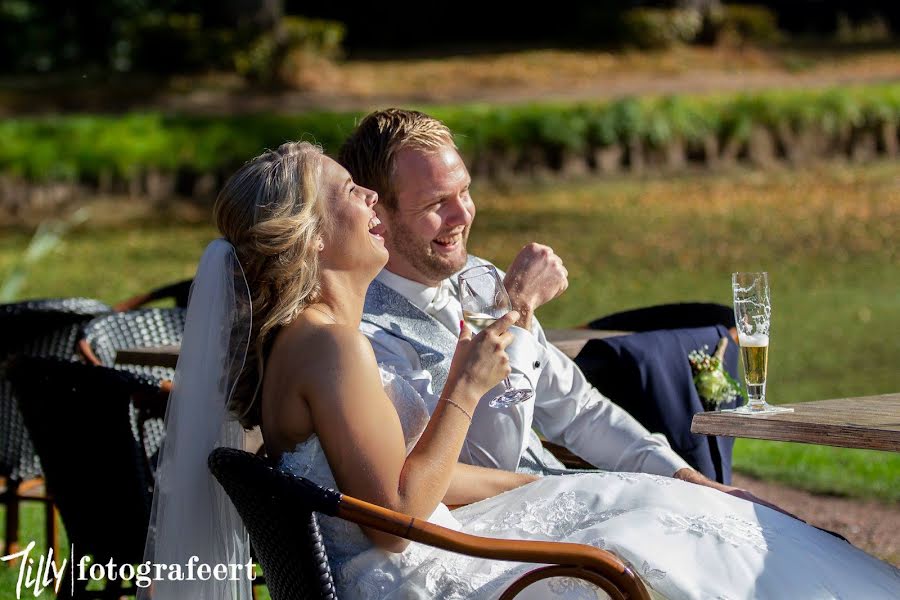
(827, 236)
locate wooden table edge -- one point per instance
(782, 428)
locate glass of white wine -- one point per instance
(484, 300)
(752, 315)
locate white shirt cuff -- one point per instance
(527, 358)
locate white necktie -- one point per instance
(443, 308)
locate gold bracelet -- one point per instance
(464, 411)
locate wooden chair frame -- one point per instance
(580, 561)
(250, 480)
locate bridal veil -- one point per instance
(191, 515)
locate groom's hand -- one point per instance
(535, 277)
(693, 476)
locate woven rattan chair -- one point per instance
(280, 509)
(95, 468)
(104, 336)
(179, 292)
(45, 328)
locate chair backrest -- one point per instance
(146, 327)
(25, 324)
(47, 328)
(179, 292)
(278, 510)
(79, 418)
(682, 315)
(648, 375)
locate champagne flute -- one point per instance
(752, 315)
(484, 300)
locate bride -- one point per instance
(301, 245)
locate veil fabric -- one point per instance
(191, 514)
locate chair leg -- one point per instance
(50, 530)
(11, 500)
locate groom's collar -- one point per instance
(419, 294)
(422, 296)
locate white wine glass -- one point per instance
(484, 300)
(752, 315)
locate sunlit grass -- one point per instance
(822, 469)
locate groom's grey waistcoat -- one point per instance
(435, 345)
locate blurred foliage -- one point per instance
(170, 42)
(651, 28)
(826, 18)
(371, 28)
(748, 23)
(255, 36)
(160, 36)
(90, 148)
(276, 57)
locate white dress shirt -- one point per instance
(566, 409)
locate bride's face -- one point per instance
(355, 238)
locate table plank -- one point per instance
(571, 341)
(157, 356)
(871, 422)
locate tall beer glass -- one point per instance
(752, 314)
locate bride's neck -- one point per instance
(344, 296)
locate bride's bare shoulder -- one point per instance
(308, 345)
(306, 364)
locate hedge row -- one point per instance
(111, 151)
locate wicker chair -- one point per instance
(279, 512)
(46, 328)
(104, 336)
(179, 292)
(142, 328)
(95, 468)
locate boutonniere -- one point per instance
(714, 385)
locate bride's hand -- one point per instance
(480, 362)
(693, 476)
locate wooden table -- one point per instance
(570, 341)
(157, 356)
(871, 422)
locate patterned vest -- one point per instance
(435, 345)
(396, 315)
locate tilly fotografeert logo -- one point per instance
(38, 575)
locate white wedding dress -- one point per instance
(683, 540)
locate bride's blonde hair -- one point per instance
(270, 212)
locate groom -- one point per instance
(412, 311)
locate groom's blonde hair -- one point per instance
(270, 211)
(368, 154)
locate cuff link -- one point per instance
(536, 364)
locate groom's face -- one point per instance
(428, 228)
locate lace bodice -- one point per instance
(343, 539)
